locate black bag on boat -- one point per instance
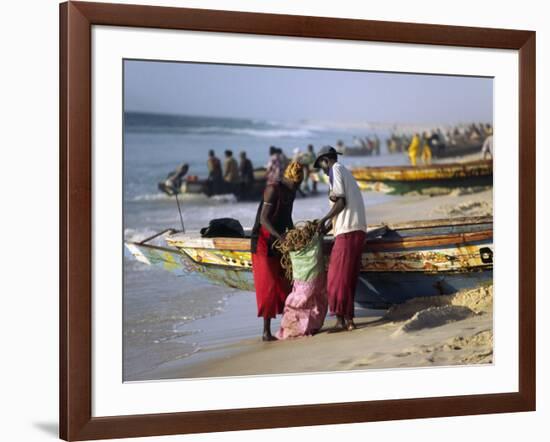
(227, 227)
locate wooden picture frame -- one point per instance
(76, 21)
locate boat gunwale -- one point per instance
(243, 244)
(426, 167)
(182, 253)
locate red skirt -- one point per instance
(343, 272)
(272, 287)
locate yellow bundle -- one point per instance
(294, 172)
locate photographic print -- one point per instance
(286, 220)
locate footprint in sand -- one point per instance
(366, 361)
(361, 364)
(402, 354)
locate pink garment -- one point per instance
(305, 308)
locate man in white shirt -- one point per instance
(487, 148)
(347, 219)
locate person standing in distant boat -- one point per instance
(348, 221)
(246, 173)
(231, 171)
(173, 181)
(273, 219)
(215, 178)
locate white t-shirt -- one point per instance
(353, 217)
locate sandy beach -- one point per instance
(436, 331)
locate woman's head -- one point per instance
(294, 173)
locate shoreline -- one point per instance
(229, 343)
(425, 332)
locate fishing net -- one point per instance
(296, 240)
(303, 263)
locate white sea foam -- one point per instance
(258, 133)
(198, 198)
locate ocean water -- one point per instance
(160, 309)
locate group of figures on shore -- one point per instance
(246, 182)
(437, 142)
(304, 301)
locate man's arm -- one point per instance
(338, 206)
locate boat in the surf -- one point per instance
(403, 179)
(193, 184)
(399, 261)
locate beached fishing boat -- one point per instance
(402, 179)
(399, 262)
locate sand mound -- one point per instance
(435, 311)
(434, 317)
(402, 312)
(480, 300)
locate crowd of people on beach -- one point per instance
(238, 177)
(423, 143)
(304, 301)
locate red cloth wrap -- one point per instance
(343, 272)
(272, 287)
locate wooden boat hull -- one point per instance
(355, 151)
(457, 151)
(405, 179)
(194, 185)
(395, 267)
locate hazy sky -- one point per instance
(291, 94)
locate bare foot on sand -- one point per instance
(350, 325)
(339, 327)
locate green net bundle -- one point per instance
(295, 240)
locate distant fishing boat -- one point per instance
(399, 262)
(402, 179)
(192, 184)
(457, 150)
(445, 151)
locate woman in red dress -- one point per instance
(273, 219)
